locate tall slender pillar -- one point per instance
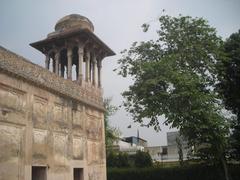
(59, 68)
(69, 63)
(99, 65)
(87, 69)
(90, 68)
(80, 62)
(62, 70)
(53, 64)
(77, 71)
(57, 56)
(94, 69)
(47, 61)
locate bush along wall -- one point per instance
(197, 172)
(121, 160)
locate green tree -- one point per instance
(142, 159)
(229, 86)
(118, 159)
(175, 77)
(111, 133)
(123, 160)
(180, 150)
(112, 159)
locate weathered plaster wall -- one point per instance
(48, 121)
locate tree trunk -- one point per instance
(225, 168)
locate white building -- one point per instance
(173, 146)
(170, 152)
(130, 145)
(157, 153)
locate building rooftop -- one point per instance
(134, 137)
(73, 27)
(74, 21)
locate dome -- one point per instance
(74, 21)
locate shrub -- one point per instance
(112, 159)
(143, 159)
(196, 172)
(117, 159)
(123, 160)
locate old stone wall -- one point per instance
(48, 121)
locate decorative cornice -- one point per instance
(76, 33)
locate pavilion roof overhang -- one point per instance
(81, 33)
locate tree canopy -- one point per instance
(230, 74)
(229, 86)
(175, 77)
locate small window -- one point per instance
(78, 174)
(39, 173)
(165, 151)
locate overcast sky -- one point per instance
(118, 24)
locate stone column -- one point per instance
(90, 68)
(62, 70)
(57, 56)
(94, 67)
(59, 68)
(69, 63)
(77, 71)
(80, 62)
(53, 64)
(87, 69)
(47, 61)
(99, 65)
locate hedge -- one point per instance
(123, 160)
(177, 173)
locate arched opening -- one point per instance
(63, 63)
(84, 63)
(52, 62)
(75, 64)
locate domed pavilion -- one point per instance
(74, 44)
